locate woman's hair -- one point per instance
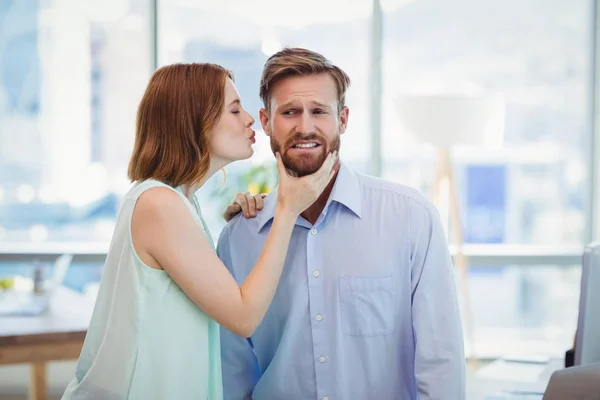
(181, 106)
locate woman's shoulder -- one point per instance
(140, 187)
(153, 192)
(158, 199)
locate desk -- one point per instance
(501, 376)
(53, 336)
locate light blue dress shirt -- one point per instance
(366, 307)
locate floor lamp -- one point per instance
(446, 121)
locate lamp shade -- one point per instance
(447, 120)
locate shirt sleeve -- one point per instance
(238, 362)
(439, 345)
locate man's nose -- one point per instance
(306, 123)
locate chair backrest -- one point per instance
(574, 383)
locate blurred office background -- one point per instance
(72, 73)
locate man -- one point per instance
(366, 307)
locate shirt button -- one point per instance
(321, 359)
(319, 317)
(316, 274)
(313, 231)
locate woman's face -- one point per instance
(233, 136)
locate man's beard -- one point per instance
(307, 164)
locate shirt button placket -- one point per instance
(316, 309)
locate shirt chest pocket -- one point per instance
(367, 305)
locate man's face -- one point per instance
(303, 123)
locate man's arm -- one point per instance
(439, 352)
(238, 361)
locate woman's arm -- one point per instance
(166, 235)
(164, 224)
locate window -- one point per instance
(525, 310)
(534, 191)
(538, 54)
(71, 76)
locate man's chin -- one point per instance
(303, 172)
(304, 167)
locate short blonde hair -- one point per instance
(181, 106)
(298, 62)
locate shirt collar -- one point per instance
(346, 191)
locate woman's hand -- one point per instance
(294, 194)
(246, 203)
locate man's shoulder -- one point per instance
(377, 189)
(248, 227)
(236, 225)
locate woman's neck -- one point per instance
(190, 190)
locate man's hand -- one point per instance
(247, 203)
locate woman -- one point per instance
(154, 332)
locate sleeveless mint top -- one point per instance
(146, 339)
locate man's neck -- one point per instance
(311, 214)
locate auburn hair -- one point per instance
(179, 109)
(297, 62)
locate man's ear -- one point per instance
(263, 114)
(344, 113)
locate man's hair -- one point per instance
(300, 62)
(181, 106)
